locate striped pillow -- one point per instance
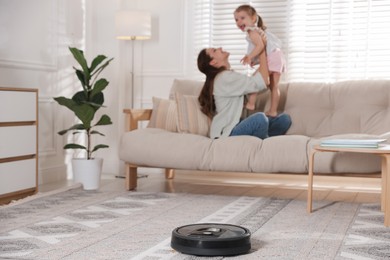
(164, 115)
(190, 117)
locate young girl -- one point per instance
(249, 21)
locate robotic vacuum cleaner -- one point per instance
(211, 239)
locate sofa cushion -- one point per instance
(185, 87)
(164, 115)
(251, 154)
(162, 149)
(321, 109)
(190, 117)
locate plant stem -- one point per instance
(89, 144)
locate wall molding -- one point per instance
(29, 65)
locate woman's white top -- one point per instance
(230, 87)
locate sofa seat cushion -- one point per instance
(251, 154)
(159, 148)
(162, 149)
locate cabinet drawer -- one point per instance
(17, 175)
(17, 141)
(18, 105)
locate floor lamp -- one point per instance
(133, 25)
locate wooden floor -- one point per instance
(328, 188)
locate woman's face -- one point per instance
(244, 20)
(218, 56)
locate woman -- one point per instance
(222, 98)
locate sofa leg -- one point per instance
(131, 177)
(169, 173)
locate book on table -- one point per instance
(353, 143)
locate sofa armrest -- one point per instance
(133, 116)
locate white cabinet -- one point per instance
(18, 143)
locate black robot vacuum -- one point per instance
(211, 239)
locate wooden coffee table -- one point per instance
(383, 151)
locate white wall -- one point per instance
(34, 37)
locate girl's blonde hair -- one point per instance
(251, 12)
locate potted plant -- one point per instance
(84, 104)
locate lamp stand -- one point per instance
(132, 71)
(132, 97)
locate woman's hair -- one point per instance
(251, 12)
(206, 97)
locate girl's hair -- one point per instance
(206, 97)
(251, 12)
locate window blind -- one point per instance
(324, 40)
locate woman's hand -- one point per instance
(246, 60)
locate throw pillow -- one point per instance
(190, 117)
(185, 87)
(164, 115)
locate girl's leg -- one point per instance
(279, 125)
(263, 67)
(250, 105)
(275, 94)
(254, 125)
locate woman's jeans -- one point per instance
(261, 126)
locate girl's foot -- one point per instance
(271, 113)
(250, 106)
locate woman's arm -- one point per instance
(230, 83)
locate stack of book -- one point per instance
(353, 143)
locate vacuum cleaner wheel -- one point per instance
(211, 239)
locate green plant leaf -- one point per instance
(75, 127)
(99, 86)
(101, 68)
(74, 146)
(80, 97)
(79, 57)
(99, 146)
(98, 59)
(94, 105)
(85, 113)
(63, 101)
(104, 120)
(84, 82)
(96, 132)
(97, 100)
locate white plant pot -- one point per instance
(87, 172)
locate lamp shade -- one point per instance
(133, 25)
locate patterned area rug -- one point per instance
(78, 224)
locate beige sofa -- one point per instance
(176, 136)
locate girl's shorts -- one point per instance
(276, 61)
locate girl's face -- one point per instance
(243, 19)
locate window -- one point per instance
(324, 40)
